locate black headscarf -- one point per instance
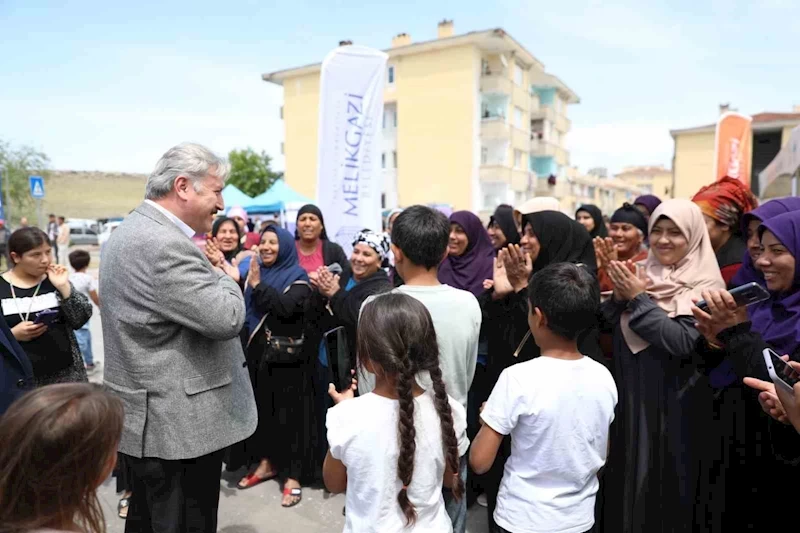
(215, 229)
(314, 210)
(600, 229)
(628, 214)
(504, 217)
(561, 240)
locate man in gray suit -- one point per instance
(171, 327)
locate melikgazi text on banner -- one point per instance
(349, 180)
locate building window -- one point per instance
(518, 117)
(281, 112)
(517, 158)
(485, 67)
(383, 160)
(391, 75)
(384, 117)
(394, 117)
(518, 74)
(394, 159)
(383, 200)
(281, 148)
(484, 155)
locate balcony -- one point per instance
(519, 179)
(496, 84)
(540, 148)
(495, 127)
(547, 112)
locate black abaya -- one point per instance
(651, 475)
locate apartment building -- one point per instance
(693, 162)
(470, 120)
(575, 189)
(655, 179)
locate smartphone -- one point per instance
(339, 364)
(782, 374)
(45, 317)
(748, 294)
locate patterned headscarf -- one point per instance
(377, 241)
(726, 201)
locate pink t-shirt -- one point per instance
(311, 263)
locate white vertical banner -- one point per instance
(349, 180)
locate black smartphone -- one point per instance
(339, 364)
(782, 374)
(45, 317)
(748, 294)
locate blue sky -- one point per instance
(112, 85)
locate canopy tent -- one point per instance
(276, 199)
(233, 197)
(780, 176)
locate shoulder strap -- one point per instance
(264, 318)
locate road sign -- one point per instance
(37, 186)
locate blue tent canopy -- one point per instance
(275, 199)
(233, 197)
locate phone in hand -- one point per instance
(782, 374)
(748, 294)
(339, 364)
(45, 317)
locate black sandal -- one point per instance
(123, 505)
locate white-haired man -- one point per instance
(171, 326)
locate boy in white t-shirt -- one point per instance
(85, 284)
(557, 409)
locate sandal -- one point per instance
(293, 492)
(251, 480)
(122, 508)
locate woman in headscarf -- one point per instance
(758, 459)
(224, 248)
(723, 203)
(534, 205)
(338, 304)
(750, 223)
(313, 247)
(625, 243)
(647, 203)
(502, 229)
(247, 238)
(547, 237)
(275, 296)
(470, 254)
(591, 218)
(651, 474)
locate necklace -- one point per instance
(14, 297)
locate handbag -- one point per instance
(277, 348)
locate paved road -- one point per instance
(256, 510)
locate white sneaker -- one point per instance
(482, 500)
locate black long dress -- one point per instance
(283, 389)
(651, 475)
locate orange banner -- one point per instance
(734, 147)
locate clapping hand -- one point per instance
(604, 251)
(628, 281)
(213, 253)
(518, 265)
(327, 283)
(59, 277)
(500, 283)
(254, 273)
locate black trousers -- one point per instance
(180, 496)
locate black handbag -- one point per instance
(277, 348)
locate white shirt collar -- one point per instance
(183, 226)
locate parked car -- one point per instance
(108, 227)
(82, 236)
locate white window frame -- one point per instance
(519, 75)
(391, 75)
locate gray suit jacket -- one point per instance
(172, 351)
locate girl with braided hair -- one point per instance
(394, 479)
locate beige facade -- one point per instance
(575, 189)
(655, 180)
(470, 120)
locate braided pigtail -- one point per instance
(407, 434)
(449, 440)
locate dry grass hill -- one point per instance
(90, 194)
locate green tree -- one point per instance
(251, 172)
(16, 165)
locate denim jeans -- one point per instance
(84, 336)
(457, 510)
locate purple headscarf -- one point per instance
(649, 201)
(778, 319)
(748, 272)
(469, 270)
